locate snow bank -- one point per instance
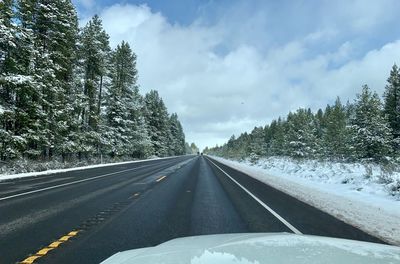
(46, 172)
(350, 192)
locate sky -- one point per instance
(226, 66)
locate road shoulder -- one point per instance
(375, 221)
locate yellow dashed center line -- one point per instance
(64, 238)
(44, 251)
(161, 178)
(73, 233)
(54, 245)
(30, 259)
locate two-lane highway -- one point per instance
(86, 216)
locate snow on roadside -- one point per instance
(46, 172)
(342, 190)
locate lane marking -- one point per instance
(64, 238)
(43, 252)
(280, 218)
(71, 183)
(73, 233)
(30, 260)
(55, 244)
(161, 178)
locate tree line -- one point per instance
(64, 93)
(366, 129)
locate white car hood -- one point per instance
(257, 248)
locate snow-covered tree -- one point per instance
(335, 136)
(392, 105)
(275, 138)
(177, 137)
(53, 85)
(94, 54)
(123, 78)
(157, 118)
(125, 130)
(371, 133)
(300, 137)
(20, 133)
(257, 143)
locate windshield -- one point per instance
(126, 124)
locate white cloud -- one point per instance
(217, 94)
(86, 3)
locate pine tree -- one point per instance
(392, 105)
(8, 67)
(193, 148)
(123, 78)
(335, 139)
(300, 137)
(51, 27)
(157, 122)
(277, 141)
(177, 139)
(126, 130)
(53, 86)
(257, 145)
(94, 52)
(371, 133)
(21, 133)
(139, 137)
(64, 55)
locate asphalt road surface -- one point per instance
(86, 216)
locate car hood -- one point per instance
(257, 248)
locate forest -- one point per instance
(367, 130)
(66, 95)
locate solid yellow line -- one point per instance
(161, 178)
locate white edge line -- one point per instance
(280, 218)
(70, 183)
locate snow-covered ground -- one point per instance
(352, 192)
(32, 174)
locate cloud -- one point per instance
(225, 75)
(85, 3)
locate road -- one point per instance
(85, 216)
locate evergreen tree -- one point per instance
(157, 122)
(123, 80)
(177, 139)
(370, 129)
(257, 143)
(21, 132)
(53, 84)
(94, 53)
(300, 137)
(193, 149)
(336, 138)
(392, 104)
(139, 137)
(64, 55)
(277, 137)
